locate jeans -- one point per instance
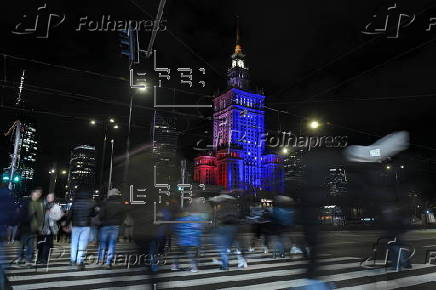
(26, 247)
(93, 235)
(108, 237)
(224, 238)
(12, 232)
(79, 243)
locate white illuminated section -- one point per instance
(238, 63)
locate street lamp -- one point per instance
(92, 122)
(112, 122)
(143, 89)
(314, 124)
(63, 172)
(396, 172)
(285, 150)
(110, 168)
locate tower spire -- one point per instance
(238, 48)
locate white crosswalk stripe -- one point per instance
(263, 272)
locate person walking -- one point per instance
(112, 214)
(188, 232)
(82, 210)
(13, 224)
(50, 228)
(7, 211)
(31, 220)
(228, 221)
(128, 228)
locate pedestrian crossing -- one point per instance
(263, 272)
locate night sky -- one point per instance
(309, 57)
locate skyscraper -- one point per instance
(82, 168)
(337, 181)
(238, 133)
(29, 149)
(165, 137)
(21, 171)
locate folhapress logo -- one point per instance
(389, 23)
(40, 24)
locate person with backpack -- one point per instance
(50, 228)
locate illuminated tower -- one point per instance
(238, 158)
(238, 128)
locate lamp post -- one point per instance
(108, 123)
(110, 166)
(396, 174)
(127, 161)
(54, 177)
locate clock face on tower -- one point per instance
(238, 63)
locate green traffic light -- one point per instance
(16, 179)
(5, 178)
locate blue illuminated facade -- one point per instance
(239, 159)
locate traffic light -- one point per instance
(17, 178)
(129, 44)
(6, 175)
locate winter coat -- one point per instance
(188, 234)
(31, 217)
(283, 216)
(112, 212)
(82, 210)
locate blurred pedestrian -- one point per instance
(188, 232)
(13, 224)
(50, 228)
(112, 214)
(128, 228)
(283, 218)
(7, 211)
(31, 221)
(228, 220)
(82, 210)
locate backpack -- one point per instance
(284, 216)
(56, 212)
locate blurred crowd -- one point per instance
(230, 224)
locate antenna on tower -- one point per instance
(20, 88)
(237, 30)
